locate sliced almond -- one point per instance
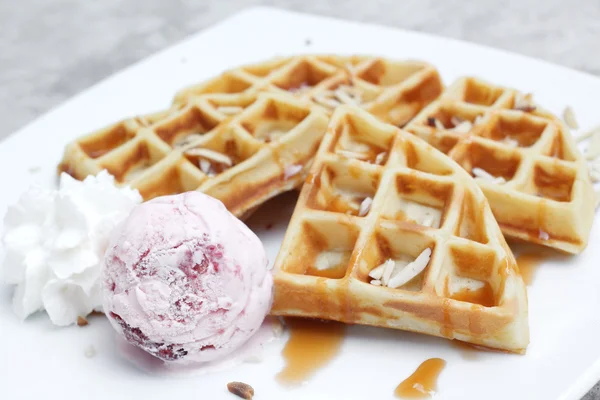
(569, 118)
(365, 207)
(230, 110)
(211, 155)
(411, 270)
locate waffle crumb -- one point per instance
(241, 389)
(82, 321)
(90, 352)
(569, 118)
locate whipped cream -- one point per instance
(54, 242)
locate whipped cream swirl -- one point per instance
(54, 242)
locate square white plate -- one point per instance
(562, 362)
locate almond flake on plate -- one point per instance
(587, 134)
(569, 118)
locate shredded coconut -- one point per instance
(543, 235)
(375, 282)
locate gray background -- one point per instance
(52, 49)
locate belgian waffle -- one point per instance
(523, 158)
(390, 232)
(250, 133)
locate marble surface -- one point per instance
(52, 49)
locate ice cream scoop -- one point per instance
(185, 280)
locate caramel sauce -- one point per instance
(422, 383)
(528, 264)
(483, 296)
(311, 346)
(335, 272)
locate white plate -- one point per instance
(562, 362)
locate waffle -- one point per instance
(250, 133)
(394, 91)
(390, 232)
(523, 158)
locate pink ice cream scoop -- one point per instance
(185, 280)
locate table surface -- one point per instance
(53, 49)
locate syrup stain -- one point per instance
(483, 296)
(311, 346)
(528, 263)
(422, 384)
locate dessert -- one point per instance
(251, 133)
(424, 255)
(185, 280)
(54, 242)
(523, 158)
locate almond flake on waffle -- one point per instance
(230, 110)
(365, 206)
(483, 174)
(234, 112)
(533, 158)
(456, 279)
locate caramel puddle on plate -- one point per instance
(311, 346)
(528, 263)
(422, 384)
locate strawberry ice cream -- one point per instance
(185, 280)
